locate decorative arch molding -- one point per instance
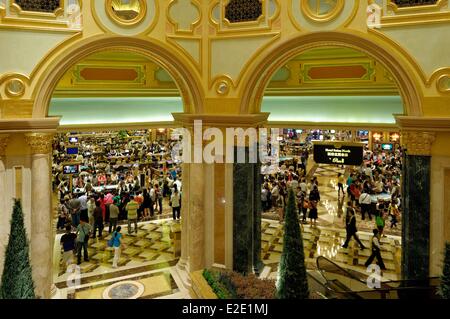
(258, 76)
(184, 77)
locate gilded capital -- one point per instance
(418, 143)
(4, 138)
(40, 143)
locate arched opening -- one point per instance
(115, 97)
(326, 89)
(184, 78)
(258, 80)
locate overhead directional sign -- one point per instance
(338, 153)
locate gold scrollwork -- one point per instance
(443, 83)
(316, 15)
(126, 14)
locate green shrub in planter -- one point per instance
(293, 282)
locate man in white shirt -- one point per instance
(178, 183)
(275, 195)
(364, 201)
(303, 185)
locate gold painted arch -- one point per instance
(261, 72)
(184, 77)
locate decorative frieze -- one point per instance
(40, 143)
(413, 3)
(4, 138)
(418, 143)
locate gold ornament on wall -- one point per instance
(322, 10)
(223, 85)
(443, 83)
(15, 88)
(126, 13)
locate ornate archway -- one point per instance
(183, 76)
(268, 65)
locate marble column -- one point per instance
(416, 205)
(196, 218)
(183, 263)
(41, 213)
(246, 217)
(4, 222)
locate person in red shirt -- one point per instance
(102, 203)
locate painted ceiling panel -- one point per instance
(79, 111)
(333, 109)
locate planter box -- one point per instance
(200, 287)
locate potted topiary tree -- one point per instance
(444, 289)
(17, 281)
(292, 282)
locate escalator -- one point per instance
(340, 283)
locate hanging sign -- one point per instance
(338, 153)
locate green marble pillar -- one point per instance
(416, 217)
(246, 217)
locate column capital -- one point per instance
(40, 143)
(4, 139)
(418, 142)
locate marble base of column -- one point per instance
(416, 218)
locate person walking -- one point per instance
(175, 202)
(74, 206)
(113, 216)
(132, 208)
(341, 181)
(98, 220)
(83, 231)
(379, 221)
(376, 251)
(68, 244)
(350, 226)
(91, 208)
(393, 213)
(365, 201)
(147, 205)
(314, 198)
(117, 245)
(159, 198)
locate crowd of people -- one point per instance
(373, 189)
(109, 189)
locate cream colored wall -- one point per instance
(22, 50)
(415, 39)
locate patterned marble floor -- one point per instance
(327, 239)
(157, 284)
(327, 242)
(152, 245)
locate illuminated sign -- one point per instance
(338, 154)
(71, 169)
